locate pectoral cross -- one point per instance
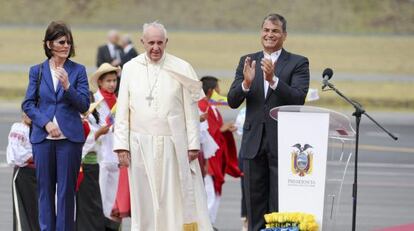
(149, 98)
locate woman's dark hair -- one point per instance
(55, 30)
(95, 113)
(209, 82)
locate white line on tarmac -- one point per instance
(378, 148)
(4, 165)
(373, 165)
(386, 184)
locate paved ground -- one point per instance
(386, 172)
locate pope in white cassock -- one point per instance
(157, 136)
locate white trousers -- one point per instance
(108, 183)
(213, 200)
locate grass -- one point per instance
(374, 96)
(221, 50)
(351, 16)
(379, 96)
(13, 86)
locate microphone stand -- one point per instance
(359, 111)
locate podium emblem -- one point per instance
(302, 159)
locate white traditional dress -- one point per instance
(157, 120)
(24, 184)
(107, 159)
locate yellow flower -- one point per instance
(313, 227)
(268, 218)
(283, 218)
(306, 222)
(308, 217)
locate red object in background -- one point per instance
(232, 163)
(87, 130)
(122, 207)
(109, 97)
(109, 120)
(80, 179)
(225, 159)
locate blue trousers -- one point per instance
(57, 166)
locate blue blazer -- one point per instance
(65, 105)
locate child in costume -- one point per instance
(89, 215)
(113, 180)
(24, 186)
(225, 159)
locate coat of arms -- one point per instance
(302, 159)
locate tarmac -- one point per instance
(385, 186)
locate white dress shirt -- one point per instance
(55, 84)
(128, 48)
(274, 56)
(113, 51)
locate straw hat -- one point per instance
(103, 69)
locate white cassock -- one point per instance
(167, 191)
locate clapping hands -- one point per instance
(249, 72)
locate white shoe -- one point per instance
(244, 224)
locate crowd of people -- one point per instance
(150, 143)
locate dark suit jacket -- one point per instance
(65, 105)
(104, 56)
(293, 73)
(128, 56)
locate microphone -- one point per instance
(326, 76)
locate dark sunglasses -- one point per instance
(62, 42)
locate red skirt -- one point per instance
(122, 207)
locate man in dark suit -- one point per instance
(129, 51)
(110, 52)
(266, 79)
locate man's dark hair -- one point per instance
(274, 18)
(55, 30)
(95, 112)
(209, 82)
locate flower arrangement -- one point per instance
(290, 222)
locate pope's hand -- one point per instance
(192, 155)
(124, 158)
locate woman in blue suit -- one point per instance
(56, 95)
